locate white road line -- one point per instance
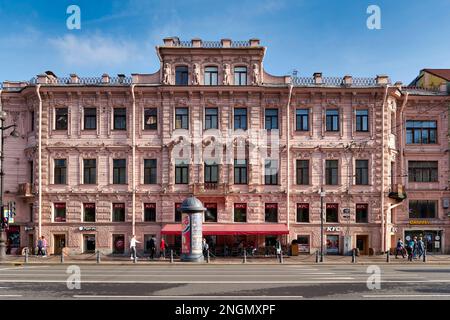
(318, 281)
(159, 275)
(406, 295)
(187, 297)
(10, 295)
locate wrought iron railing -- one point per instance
(333, 81)
(212, 44)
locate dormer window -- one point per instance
(211, 76)
(240, 76)
(181, 76)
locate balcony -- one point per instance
(25, 190)
(210, 185)
(397, 193)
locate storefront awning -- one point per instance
(222, 229)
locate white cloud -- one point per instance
(94, 50)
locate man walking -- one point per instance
(400, 248)
(133, 243)
(205, 247)
(152, 245)
(420, 247)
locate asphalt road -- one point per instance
(224, 282)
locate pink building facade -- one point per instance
(101, 159)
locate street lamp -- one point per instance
(322, 195)
(15, 134)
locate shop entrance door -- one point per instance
(362, 244)
(59, 243)
(431, 238)
(89, 243)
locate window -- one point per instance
(331, 172)
(362, 120)
(118, 212)
(332, 212)
(271, 172)
(119, 171)
(271, 212)
(61, 118)
(303, 172)
(362, 215)
(211, 212)
(302, 212)
(240, 171)
(240, 76)
(332, 120)
(118, 243)
(240, 212)
(60, 171)
(32, 120)
(240, 118)
(120, 119)
(211, 118)
(422, 209)
(302, 120)
(150, 170)
(211, 76)
(271, 119)
(422, 171)
(89, 212)
(149, 212)
(421, 132)
(177, 212)
(60, 212)
(362, 172)
(181, 76)
(181, 172)
(211, 172)
(90, 119)
(181, 118)
(151, 119)
(90, 171)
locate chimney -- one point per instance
(254, 42)
(105, 78)
(317, 77)
(399, 84)
(74, 78)
(170, 41)
(121, 77)
(347, 80)
(196, 43)
(226, 43)
(382, 79)
(42, 78)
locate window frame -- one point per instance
(88, 205)
(117, 117)
(60, 172)
(420, 129)
(87, 116)
(209, 118)
(117, 206)
(332, 119)
(240, 118)
(208, 76)
(362, 119)
(271, 178)
(181, 172)
(414, 172)
(329, 178)
(300, 118)
(238, 76)
(89, 172)
(362, 173)
(152, 126)
(151, 171)
(56, 217)
(182, 119)
(119, 171)
(183, 74)
(301, 172)
(240, 206)
(271, 119)
(301, 206)
(240, 168)
(58, 127)
(267, 212)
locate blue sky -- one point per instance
(328, 36)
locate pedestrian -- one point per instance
(420, 247)
(39, 245)
(278, 249)
(133, 243)
(152, 246)
(162, 248)
(42, 246)
(415, 248)
(400, 248)
(205, 248)
(410, 249)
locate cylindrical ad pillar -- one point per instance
(192, 211)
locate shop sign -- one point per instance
(150, 206)
(87, 228)
(419, 222)
(332, 229)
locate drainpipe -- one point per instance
(402, 142)
(133, 163)
(383, 219)
(288, 159)
(39, 162)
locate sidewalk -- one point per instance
(295, 260)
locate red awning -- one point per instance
(232, 229)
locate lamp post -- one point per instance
(14, 133)
(322, 195)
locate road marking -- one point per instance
(10, 295)
(406, 295)
(185, 297)
(84, 274)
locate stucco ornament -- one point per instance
(196, 77)
(167, 73)
(255, 74)
(226, 74)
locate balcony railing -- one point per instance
(25, 190)
(210, 185)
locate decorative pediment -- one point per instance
(181, 102)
